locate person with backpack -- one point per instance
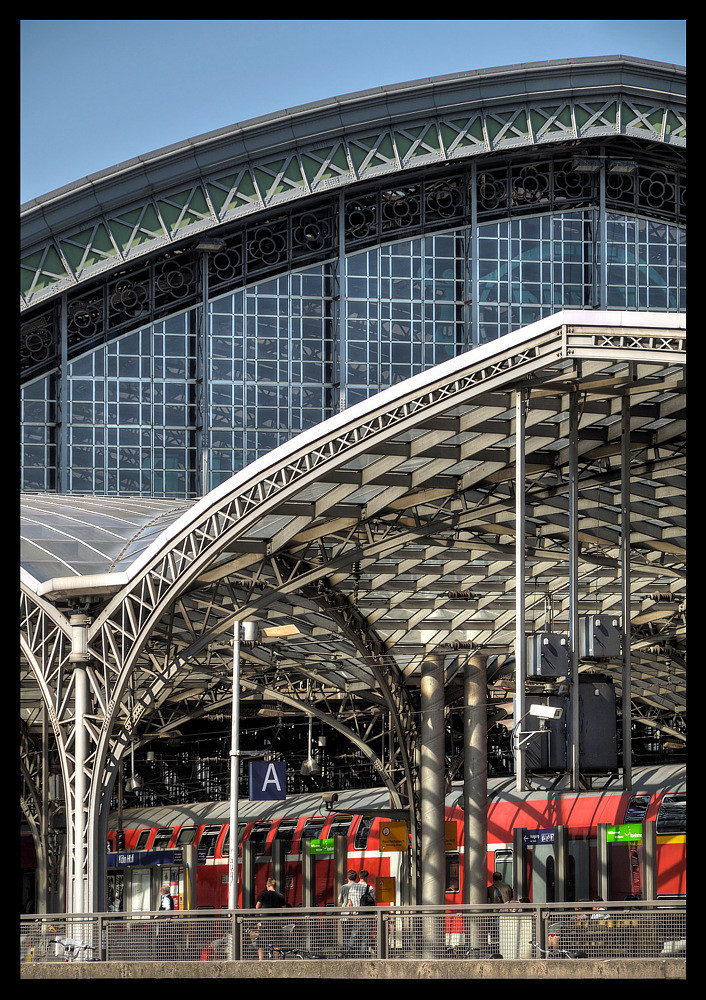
(357, 896)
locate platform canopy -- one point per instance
(379, 536)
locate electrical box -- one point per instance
(599, 637)
(547, 655)
(598, 725)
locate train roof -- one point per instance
(666, 778)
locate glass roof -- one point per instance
(78, 536)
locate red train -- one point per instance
(154, 836)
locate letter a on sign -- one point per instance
(268, 780)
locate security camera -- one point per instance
(545, 712)
(329, 799)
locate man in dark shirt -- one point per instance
(269, 899)
(499, 891)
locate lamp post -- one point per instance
(250, 633)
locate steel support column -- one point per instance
(475, 780)
(573, 589)
(625, 588)
(520, 640)
(234, 774)
(79, 855)
(432, 780)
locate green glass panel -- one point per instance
(494, 127)
(216, 193)
(87, 248)
(404, 144)
(358, 154)
(674, 125)
(184, 208)
(41, 270)
(265, 177)
(245, 192)
(75, 249)
(386, 150)
(470, 134)
(337, 163)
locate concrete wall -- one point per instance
(620, 968)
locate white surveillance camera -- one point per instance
(545, 712)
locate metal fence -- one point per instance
(513, 931)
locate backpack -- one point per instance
(367, 899)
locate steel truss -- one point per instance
(385, 533)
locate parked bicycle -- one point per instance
(558, 952)
(73, 950)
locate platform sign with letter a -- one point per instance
(268, 780)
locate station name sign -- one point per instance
(135, 859)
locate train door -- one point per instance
(544, 871)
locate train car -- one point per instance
(154, 836)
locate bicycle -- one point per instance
(72, 948)
(558, 952)
(458, 951)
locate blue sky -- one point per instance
(96, 93)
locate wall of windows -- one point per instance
(128, 418)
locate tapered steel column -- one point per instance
(574, 587)
(520, 640)
(475, 780)
(625, 589)
(234, 774)
(432, 780)
(78, 658)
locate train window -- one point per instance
(671, 815)
(360, 841)
(141, 842)
(285, 833)
(339, 826)
(225, 850)
(185, 836)
(312, 828)
(162, 838)
(453, 872)
(637, 809)
(258, 836)
(209, 839)
(503, 864)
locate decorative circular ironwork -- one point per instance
(37, 341)
(268, 245)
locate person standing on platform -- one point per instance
(499, 891)
(270, 899)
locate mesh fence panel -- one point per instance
(607, 933)
(511, 932)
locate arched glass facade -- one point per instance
(287, 352)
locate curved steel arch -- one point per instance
(570, 352)
(153, 203)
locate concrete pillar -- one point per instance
(475, 781)
(432, 780)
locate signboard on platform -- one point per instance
(268, 780)
(384, 888)
(323, 846)
(624, 833)
(531, 838)
(393, 836)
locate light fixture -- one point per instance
(209, 246)
(622, 167)
(585, 165)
